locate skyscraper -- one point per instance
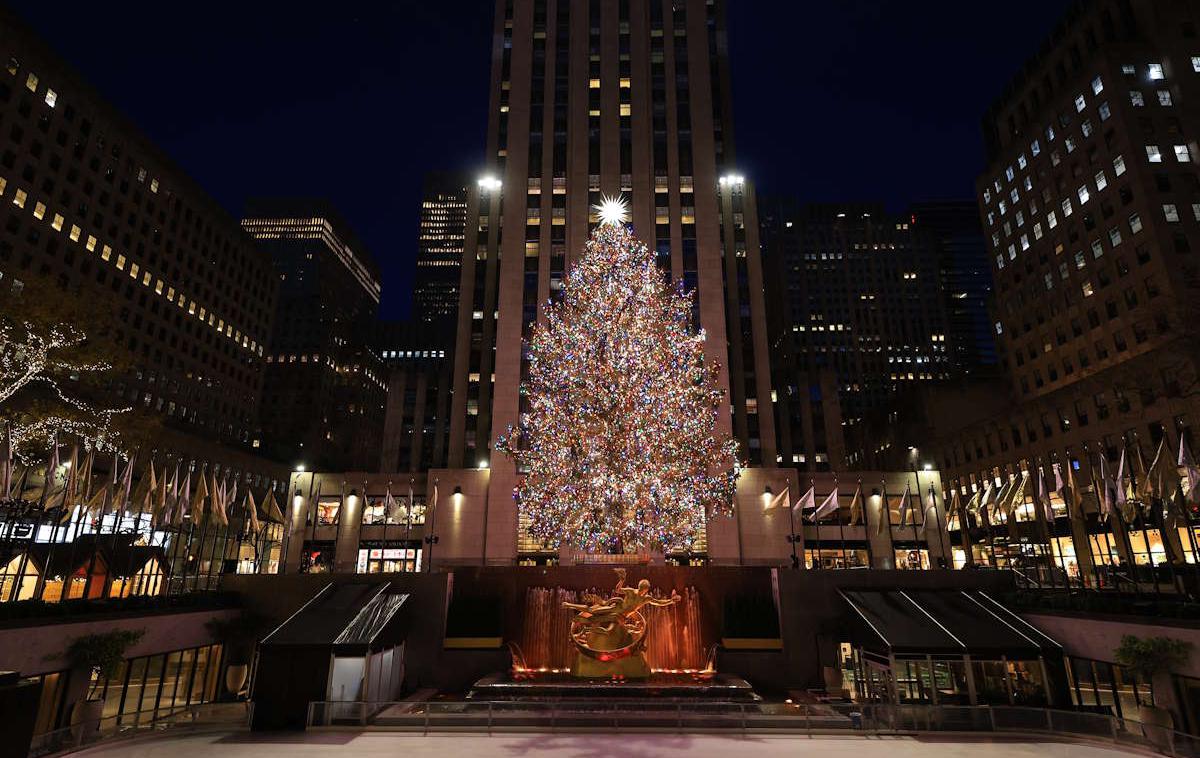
(593, 98)
(440, 243)
(88, 201)
(325, 381)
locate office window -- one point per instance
(1101, 180)
(1164, 97)
(51, 97)
(1156, 72)
(1136, 98)
(1153, 154)
(1135, 223)
(1080, 103)
(1105, 111)
(1182, 154)
(1083, 193)
(1196, 63)
(1097, 86)
(1170, 212)
(1119, 165)
(1114, 236)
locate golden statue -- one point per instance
(610, 635)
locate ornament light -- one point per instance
(612, 210)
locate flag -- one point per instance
(197, 505)
(885, 517)
(1004, 493)
(778, 500)
(1059, 486)
(121, 490)
(1188, 464)
(1119, 481)
(251, 512)
(183, 498)
(856, 510)
(160, 513)
(1075, 500)
(904, 503)
(806, 501)
(6, 465)
(271, 508)
(230, 498)
(218, 499)
(391, 509)
(1044, 496)
(973, 505)
(51, 472)
(1016, 495)
(70, 491)
(99, 502)
(147, 504)
(1163, 474)
(828, 505)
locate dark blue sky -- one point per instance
(354, 101)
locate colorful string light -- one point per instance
(619, 444)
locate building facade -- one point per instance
(1091, 207)
(88, 202)
(606, 98)
(441, 237)
(325, 381)
(415, 427)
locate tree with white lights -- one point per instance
(620, 448)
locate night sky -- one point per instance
(354, 101)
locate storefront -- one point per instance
(958, 648)
(385, 557)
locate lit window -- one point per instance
(31, 82)
(57, 224)
(1119, 165)
(19, 198)
(625, 83)
(1114, 236)
(999, 328)
(51, 97)
(1052, 219)
(1196, 63)
(1070, 143)
(39, 211)
(1156, 71)
(1128, 69)
(1136, 98)
(91, 243)
(1196, 211)
(1086, 128)
(1024, 242)
(1012, 252)
(1021, 162)
(1087, 289)
(120, 262)
(1101, 180)
(1181, 154)
(1164, 97)
(1000, 261)
(1080, 260)
(1080, 104)
(1153, 154)
(154, 186)
(106, 252)
(1170, 212)
(594, 84)
(1037, 231)
(1008, 173)
(1083, 193)
(1097, 249)
(76, 232)
(1105, 112)
(1097, 86)
(1035, 148)
(1066, 207)
(626, 109)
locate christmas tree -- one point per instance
(619, 448)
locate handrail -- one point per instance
(701, 715)
(85, 734)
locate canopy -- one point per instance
(940, 623)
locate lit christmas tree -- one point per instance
(620, 449)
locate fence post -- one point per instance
(679, 716)
(992, 717)
(427, 706)
(489, 717)
(1049, 720)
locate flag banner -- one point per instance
(828, 505)
(856, 509)
(806, 501)
(252, 513)
(271, 508)
(904, 504)
(779, 500)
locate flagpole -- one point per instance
(70, 486)
(408, 530)
(1146, 522)
(792, 529)
(841, 526)
(1108, 541)
(1185, 507)
(862, 504)
(885, 518)
(912, 513)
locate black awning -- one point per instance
(926, 622)
(350, 618)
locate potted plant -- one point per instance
(101, 654)
(1153, 659)
(238, 634)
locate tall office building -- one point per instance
(965, 280)
(418, 397)
(440, 243)
(593, 98)
(325, 381)
(862, 299)
(1091, 209)
(87, 201)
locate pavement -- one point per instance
(584, 745)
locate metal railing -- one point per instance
(125, 725)
(695, 716)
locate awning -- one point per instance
(939, 623)
(351, 618)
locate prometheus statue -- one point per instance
(610, 635)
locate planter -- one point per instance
(86, 714)
(235, 678)
(1157, 724)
